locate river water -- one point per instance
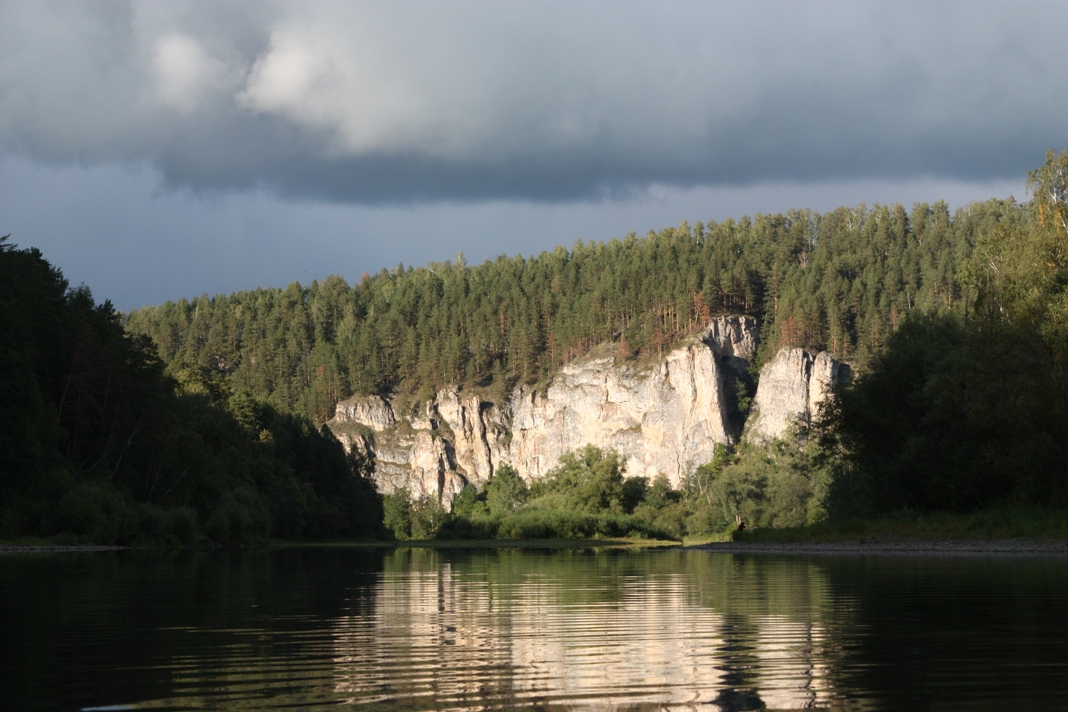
(412, 629)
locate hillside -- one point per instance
(840, 282)
(660, 386)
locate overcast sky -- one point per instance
(156, 150)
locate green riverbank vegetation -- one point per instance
(200, 421)
(988, 524)
(99, 444)
(588, 496)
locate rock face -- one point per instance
(733, 336)
(793, 387)
(372, 411)
(664, 419)
(451, 442)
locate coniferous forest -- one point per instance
(843, 281)
(201, 418)
(98, 442)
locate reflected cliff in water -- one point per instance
(420, 629)
(593, 629)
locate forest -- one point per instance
(842, 281)
(98, 444)
(205, 411)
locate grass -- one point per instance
(710, 538)
(984, 525)
(496, 544)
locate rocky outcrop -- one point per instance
(733, 336)
(372, 411)
(451, 441)
(664, 418)
(793, 387)
(479, 433)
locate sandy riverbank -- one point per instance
(902, 546)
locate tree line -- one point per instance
(841, 281)
(196, 421)
(969, 409)
(98, 443)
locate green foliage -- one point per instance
(664, 508)
(505, 492)
(469, 502)
(1048, 184)
(962, 414)
(956, 416)
(634, 492)
(584, 497)
(780, 484)
(564, 524)
(587, 480)
(992, 523)
(427, 516)
(533, 523)
(840, 281)
(241, 515)
(397, 513)
(98, 444)
(411, 518)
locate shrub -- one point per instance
(240, 517)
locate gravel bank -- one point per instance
(54, 549)
(901, 546)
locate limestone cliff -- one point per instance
(453, 440)
(664, 418)
(793, 387)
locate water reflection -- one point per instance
(590, 629)
(419, 629)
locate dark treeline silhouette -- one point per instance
(98, 444)
(969, 409)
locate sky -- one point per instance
(159, 150)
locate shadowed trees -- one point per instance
(97, 443)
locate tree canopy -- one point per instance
(841, 281)
(99, 444)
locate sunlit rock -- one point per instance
(664, 418)
(793, 387)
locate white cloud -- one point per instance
(184, 72)
(414, 101)
(310, 78)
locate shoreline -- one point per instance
(56, 548)
(1055, 547)
(1017, 546)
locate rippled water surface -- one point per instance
(418, 629)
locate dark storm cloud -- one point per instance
(401, 102)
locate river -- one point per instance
(414, 629)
